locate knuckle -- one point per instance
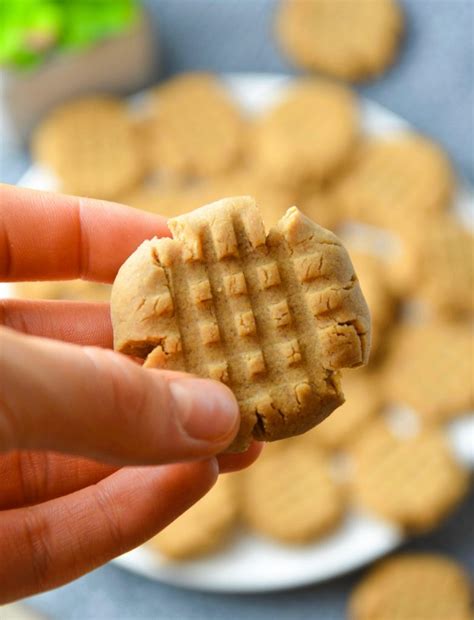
(37, 536)
(113, 535)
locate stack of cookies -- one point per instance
(385, 450)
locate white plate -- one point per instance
(250, 563)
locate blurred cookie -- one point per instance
(76, 290)
(290, 495)
(413, 586)
(196, 129)
(372, 273)
(396, 183)
(318, 203)
(92, 147)
(411, 480)
(345, 425)
(429, 368)
(307, 135)
(204, 527)
(348, 39)
(439, 267)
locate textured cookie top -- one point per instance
(421, 586)
(395, 181)
(350, 39)
(429, 368)
(196, 128)
(273, 316)
(308, 134)
(364, 401)
(411, 480)
(204, 526)
(290, 493)
(92, 147)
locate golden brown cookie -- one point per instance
(290, 495)
(412, 480)
(348, 39)
(274, 316)
(307, 135)
(430, 368)
(272, 201)
(92, 147)
(372, 273)
(363, 403)
(76, 290)
(413, 586)
(317, 202)
(396, 183)
(204, 527)
(438, 267)
(196, 128)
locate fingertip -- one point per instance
(235, 462)
(207, 410)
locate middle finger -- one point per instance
(78, 322)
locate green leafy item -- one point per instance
(32, 29)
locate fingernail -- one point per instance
(207, 409)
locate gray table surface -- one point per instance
(431, 86)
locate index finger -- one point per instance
(47, 236)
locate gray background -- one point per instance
(432, 87)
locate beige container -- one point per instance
(120, 64)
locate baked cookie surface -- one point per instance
(274, 316)
(348, 39)
(392, 182)
(413, 481)
(430, 368)
(307, 135)
(421, 586)
(204, 527)
(363, 402)
(196, 128)
(290, 495)
(92, 147)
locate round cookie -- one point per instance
(372, 273)
(196, 129)
(346, 424)
(429, 368)
(412, 480)
(76, 290)
(92, 146)
(306, 136)
(204, 527)
(348, 39)
(396, 183)
(274, 316)
(289, 494)
(439, 267)
(421, 586)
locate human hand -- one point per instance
(97, 454)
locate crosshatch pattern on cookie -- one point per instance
(245, 317)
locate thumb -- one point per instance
(99, 404)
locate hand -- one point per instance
(87, 436)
